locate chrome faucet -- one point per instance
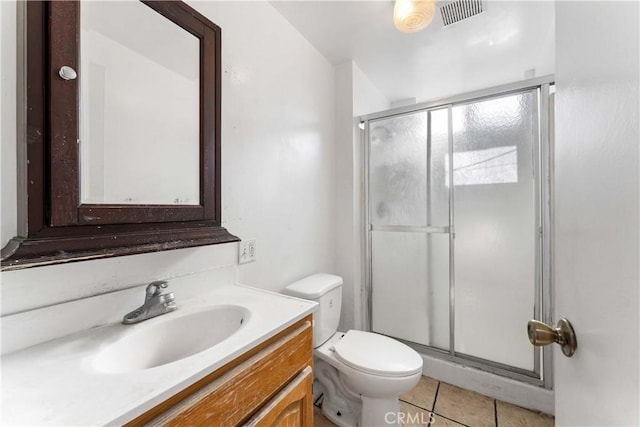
(155, 304)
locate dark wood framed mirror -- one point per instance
(61, 219)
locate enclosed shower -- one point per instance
(457, 226)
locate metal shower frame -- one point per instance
(543, 309)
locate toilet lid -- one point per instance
(377, 354)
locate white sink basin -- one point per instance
(169, 338)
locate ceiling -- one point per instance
(493, 48)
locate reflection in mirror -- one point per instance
(103, 178)
(140, 105)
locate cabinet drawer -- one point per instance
(293, 406)
(233, 397)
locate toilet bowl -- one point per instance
(373, 371)
(362, 373)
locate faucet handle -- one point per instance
(169, 302)
(155, 288)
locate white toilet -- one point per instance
(362, 373)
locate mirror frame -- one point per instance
(54, 226)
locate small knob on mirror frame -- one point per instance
(67, 73)
(542, 334)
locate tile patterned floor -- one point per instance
(456, 407)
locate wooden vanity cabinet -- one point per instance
(270, 385)
(290, 407)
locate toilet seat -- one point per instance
(377, 354)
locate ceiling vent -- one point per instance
(458, 10)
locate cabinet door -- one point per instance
(292, 407)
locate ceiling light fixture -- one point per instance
(411, 16)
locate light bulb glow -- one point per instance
(410, 16)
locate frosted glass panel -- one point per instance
(495, 223)
(398, 170)
(410, 286)
(438, 149)
(140, 106)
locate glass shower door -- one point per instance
(495, 157)
(409, 225)
(455, 229)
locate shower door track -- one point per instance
(542, 373)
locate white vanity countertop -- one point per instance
(54, 383)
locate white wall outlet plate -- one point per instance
(246, 251)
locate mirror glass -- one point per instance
(140, 107)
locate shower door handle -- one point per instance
(542, 334)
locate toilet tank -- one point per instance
(326, 290)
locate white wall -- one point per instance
(355, 96)
(597, 211)
(367, 98)
(278, 154)
(345, 263)
(278, 143)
